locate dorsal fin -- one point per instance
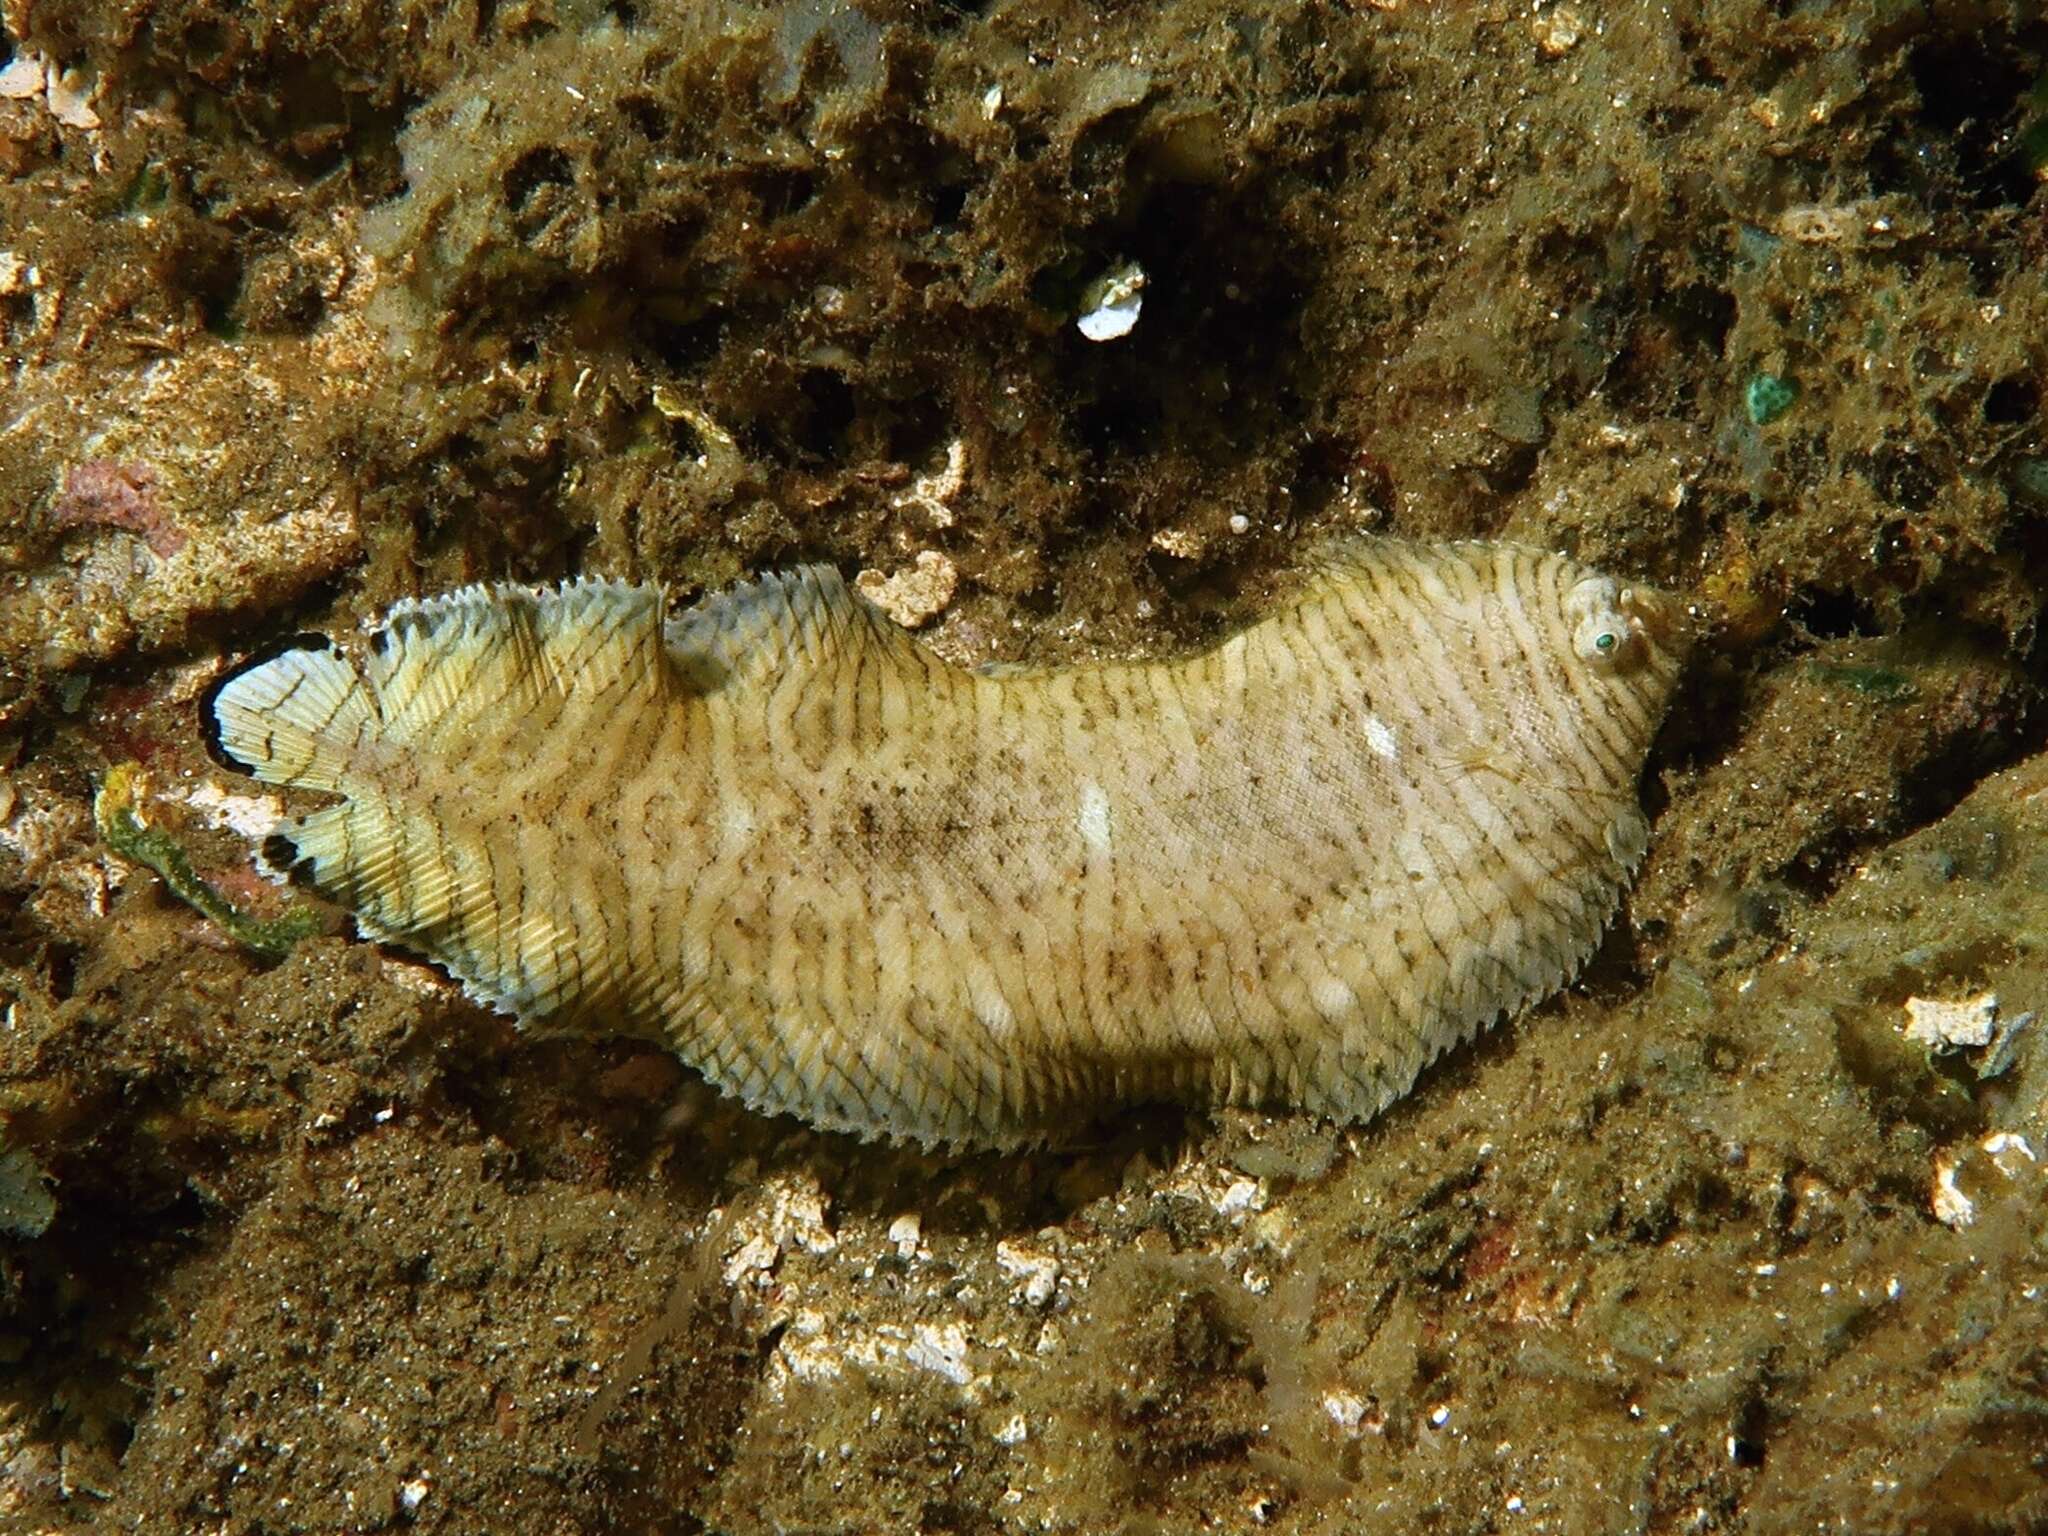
(442, 666)
(803, 616)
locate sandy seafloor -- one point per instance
(305, 307)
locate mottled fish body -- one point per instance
(846, 880)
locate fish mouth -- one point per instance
(1661, 620)
(1657, 614)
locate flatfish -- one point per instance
(846, 880)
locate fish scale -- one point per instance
(850, 882)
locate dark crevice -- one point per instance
(830, 409)
(1972, 87)
(537, 168)
(2012, 401)
(646, 117)
(1833, 615)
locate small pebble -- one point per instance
(1110, 305)
(906, 1232)
(913, 596)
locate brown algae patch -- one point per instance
(848, 881)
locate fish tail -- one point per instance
(450, 698)
(301, 717)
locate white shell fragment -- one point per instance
(1964, 1177)
(1944, 1025)
(21, 77)
(940, 1348)
(1110, 304)
(914, 595)
(1951, 1207)
(67, 95)
(1037, 1272)
(1967, 1023)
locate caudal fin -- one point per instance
(298, 718)
(453, 697)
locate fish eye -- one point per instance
(1602, 638)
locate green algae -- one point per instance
(1886, 684)
(114, 814)
(1766, 397)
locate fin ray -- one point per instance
(801, 616)
(480, 660)
(296, 718)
